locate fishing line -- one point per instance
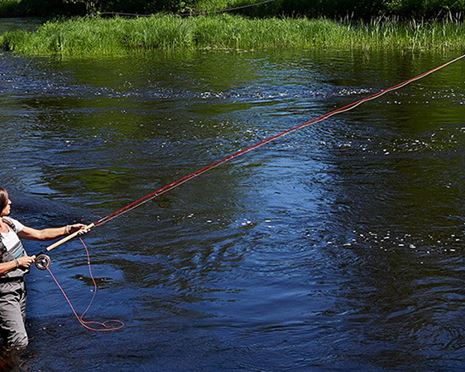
(162, 190)
(91, 325)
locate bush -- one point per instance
(145, 7)
(356, 9)
(426, 8)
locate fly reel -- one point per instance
(42, 261)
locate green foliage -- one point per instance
(137, 6)
(8, 7)
(91, 6)
(177, 6)
(352, 9)
(426, 8)
(95, 36)
(329, 8)
(210, 6)
(43, 8)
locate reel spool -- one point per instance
(42, 262)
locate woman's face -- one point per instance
(6, 211)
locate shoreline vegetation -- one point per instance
(95, 36)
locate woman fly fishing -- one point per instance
(14, 264)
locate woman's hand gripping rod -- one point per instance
(42, 261)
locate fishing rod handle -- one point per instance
(69, 237)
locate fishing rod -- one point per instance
(43, 260)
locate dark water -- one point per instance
(337, 247)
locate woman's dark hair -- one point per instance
(3, 199)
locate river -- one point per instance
(337, 247)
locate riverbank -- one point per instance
(112, 37)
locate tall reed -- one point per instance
(95, 36)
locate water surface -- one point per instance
(340, 246)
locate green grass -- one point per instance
(95, 36)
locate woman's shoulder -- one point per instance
(18, 226)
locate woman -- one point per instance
(14, 264)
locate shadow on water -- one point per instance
(338, 247)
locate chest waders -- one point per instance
(12, 297)
(13, 253)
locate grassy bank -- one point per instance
(95, 36)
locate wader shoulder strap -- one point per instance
(10, 224)
(2, 246)
(15, 252)
(13, 227)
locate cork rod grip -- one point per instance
(69, 237)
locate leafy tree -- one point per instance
(311, 8)
(46, 8)
(425, 8)
(91, 6)
(319, 8)
(144, 6)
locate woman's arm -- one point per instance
(19, 263)
(50, 233)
